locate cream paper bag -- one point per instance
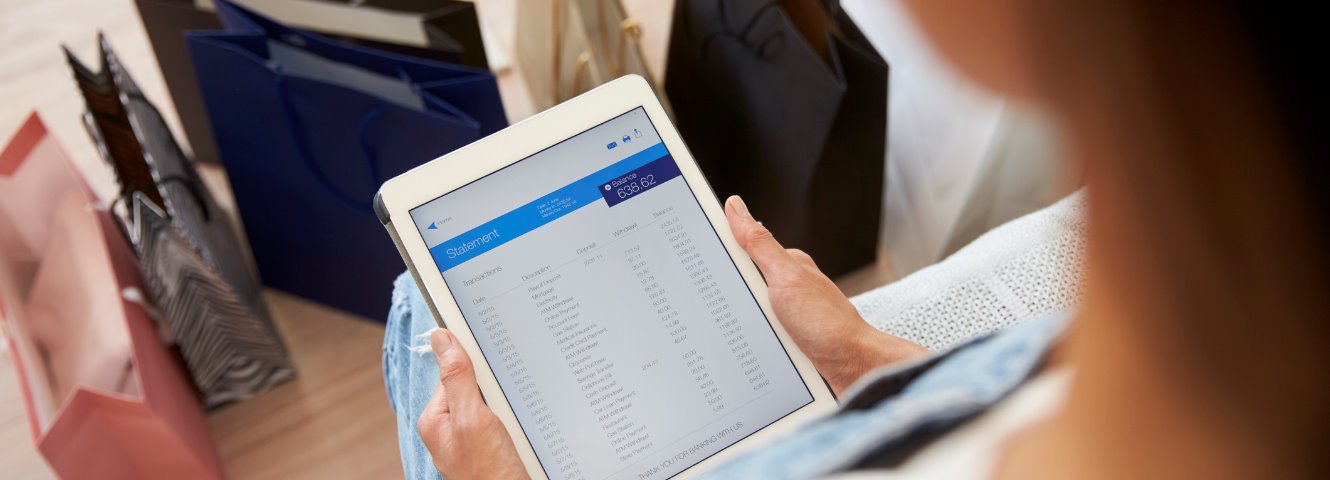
(566, 47)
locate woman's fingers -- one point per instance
(433, 422)
(762, 247)
(463, 436)
(457, 377)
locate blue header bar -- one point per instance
(537, 213)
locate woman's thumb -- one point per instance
(761, 246)
(455, 370)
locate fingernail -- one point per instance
(440, 341)
(740, 207)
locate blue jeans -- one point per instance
(890, 410)
(410, 373)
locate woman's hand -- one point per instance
(462, 434)
(819, 318)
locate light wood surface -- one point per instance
(332, 422)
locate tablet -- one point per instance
(617, 328)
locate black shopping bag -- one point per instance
(193, 262)
(785, 104)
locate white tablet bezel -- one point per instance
(445, 174)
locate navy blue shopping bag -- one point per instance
(308, 128)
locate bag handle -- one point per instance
(296, 127)
(580, 72)
(139, 298)
(556, 16)
(629, 31)
(767, 49)
(193, 183)
(630, 35)
(190, 186)
(581, 65)
(126, 190)
(602, 28)
(113, 83)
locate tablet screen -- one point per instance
(617, 325)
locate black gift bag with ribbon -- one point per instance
(784, 102)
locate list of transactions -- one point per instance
(621, 332)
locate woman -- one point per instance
(1200, 349)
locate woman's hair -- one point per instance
(1209, 192)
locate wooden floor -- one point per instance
(333, 421)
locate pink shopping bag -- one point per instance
(105, 396)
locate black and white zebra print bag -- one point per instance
(208, 297)
(230, 344)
